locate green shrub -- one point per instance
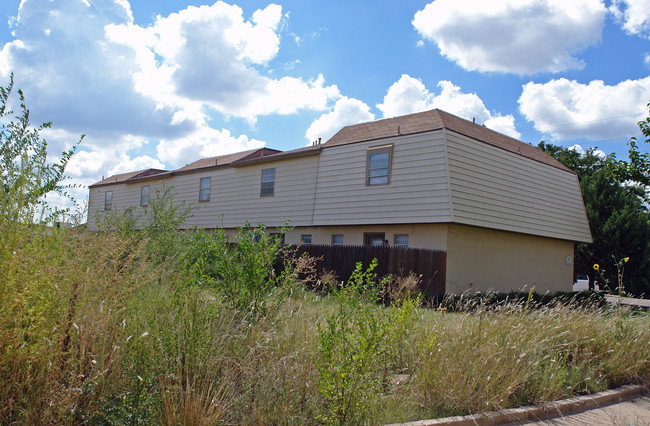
(360, 347)
(243, 271)
(161, 223)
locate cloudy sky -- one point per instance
(160, 83)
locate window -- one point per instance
(378, 165)
(401, 240)
(268, 181)
(144, 196)
(204, 189)
(108, 200)
(278, 236)
(305, 238)
(372, 239)
(337, 239)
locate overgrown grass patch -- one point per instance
(94, 330)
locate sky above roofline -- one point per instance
(159, 84)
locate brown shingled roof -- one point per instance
(280, 155)
(123, 177)
(435, 120)
(222, 160)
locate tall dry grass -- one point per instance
(91, 331)
(62, 321)
(488, 360)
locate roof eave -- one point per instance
(277, 157)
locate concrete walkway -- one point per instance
(640, 303)
(633, 412)
(626, 405)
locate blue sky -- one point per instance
(163, 83)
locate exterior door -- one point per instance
(374, 239)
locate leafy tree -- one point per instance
(617, 214)
(620, 228)
(637, 170)
(25, 175)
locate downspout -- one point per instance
(451, 209)
(313, 206)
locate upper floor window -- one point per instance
(108, 200)
(204, 189)
(401, 240)
(268, 182)
(378, 165)
(337, 239)
(144, 195)
(305, 238)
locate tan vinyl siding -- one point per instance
(235, 195)
(124, 196)
(418, 189)
(488, 260)
(494, 188)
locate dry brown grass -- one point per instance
(89, 332)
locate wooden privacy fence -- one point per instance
(429, 265)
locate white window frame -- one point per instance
(108, 200)
(144, 195)
(402, 237)
(378, 174)
(204, 189)
(267, 187)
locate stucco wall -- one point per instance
(480, 259)
(430, 236)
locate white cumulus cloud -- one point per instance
(634, 16)
(206, 142)
(145, 95)
(77, 78)
(512, 36)
(409, 95)
(580, 150)
(212, 55)
(346, 111)
(567, 109)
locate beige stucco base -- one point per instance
(478, 259)
(431, 236)
(488, 260)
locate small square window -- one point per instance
(108, 200)
(204, 189)
(305, 238)
(337, 239)
(144, 196)
(277, 235)
(378, 165)
(268, 182)
(401, 240)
